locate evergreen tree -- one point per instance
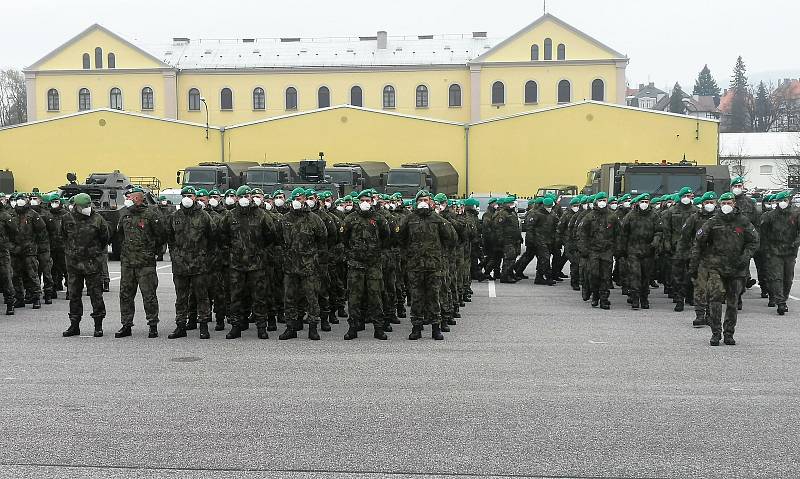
(763, 108)
(705, 85)
(676, 100)
(739, 122)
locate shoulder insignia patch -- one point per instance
(700, 232)
(341, 229)
(499, 220)
(396, 229)
(739, 230)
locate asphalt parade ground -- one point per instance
(532, 382)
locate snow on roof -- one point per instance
(321, 52)
(759, 145)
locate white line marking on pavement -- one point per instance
(792, 297)
(158, 268)
(492, 291)
(9, 379)
(597, 342)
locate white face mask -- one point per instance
(328, 204)
(585, 206)
(296, 204)
(230, 200)
(128, 203)
(348, 208)
(21, 202)
(575, 209)
(365, 206)
(55, 205)
(726, 209)
(386, 206)
(783, 205)
(423, 205)
(201, 203)
(686, 200)
(613, 206)
(244, 202)
(769, 206)
(737, 191)
(187, 202)
(164, 203)
(311, 203)
(626, 204)
(268, 206)
(644, 206)
(257, 200)
(392, 206)
(340, 209)
(601, 204)
(34, 202)
(86, 211)
(657, 206)
(213, 202)
(279, 202)
(548, 208)
(70, 207)
(709, 207)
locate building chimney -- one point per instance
(641, 86)
(382, 40)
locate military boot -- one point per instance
(543, 281)
(98, 328)
(443, 326)
(700, 319)
(204, 334)
(312, 332)
(272, 324)
(715, 337)
(387, 326)
(19, 303)
(678, 305)
(416, 332)
(644, 302)
(153, 333)
(281, 318)
(36, 304)
(106, 286)
(48, 298)
(332, 318)
(324, 324)
(10, 309)
(456, 314)
(74, 328)
(729, 341)
(191, 324)
(341, 312)
(605, 304)
(180, 332)
(235, 332)
(634, 300)
(764, 293)
(379, 333)
(595, 300)
(352, 333)
(262, 333)
(401, 312)
(783, 309)
(220, 324)
(465, 298)
(393, 318)
(123, 332)
(360, 326)
(585, 294)
(771, 303)
(715, 321)
(244, 325)
(436, 332)
(290, 332)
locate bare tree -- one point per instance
(13, 108)
(735, 160)
(788, 166)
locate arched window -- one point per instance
(531, 92)
(226, 99)
(356, 96)
(52, 100)
(86, 61)
(422, 96)
(564, 91)
(98, 57)
(388, 96)
(548, 49)
(534, 52)
(498, 93)
(115, 99)
(323, 97)
(598, 90)
(291, 98)
(147, 98)
(194, 99)
(454, 95)
(561, 52)
(112, 60)
(259, 99)
(84, 99)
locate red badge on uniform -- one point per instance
(739, 230)
(609, 226)
(372, 222)
(141, 223)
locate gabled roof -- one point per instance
(92, 28)
(562, 23)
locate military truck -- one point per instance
(213, 174)
(358, 176)
(270, 176)
(656, 178)
(312, 174)
(434, 176)
(107, 191)
(558, 190)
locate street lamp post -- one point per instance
(206, 105)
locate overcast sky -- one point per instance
(666, 41)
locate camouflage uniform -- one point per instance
(57, 253)
(673, 220)
(544, 234)
(563, 233)
(639, 234)
(509, 238)
(220, 267)
(597, 234)
(189, 232)
(780, 236)
(43, 252)
(527, 224)
(166, 211)
(85, 239)
(476, 246)
(492, 245)
(142, 231)
(274, 274)
(688, 238)
(31, 233)
(8, 237)
(332, 226)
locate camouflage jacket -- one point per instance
(689, 232)
(142, 230)
(85, 240)
(506, 227)
(672, 223)
(747, 207)
(364, 236)
(219, 250)
(189, 232)
(640, 233)
(332, 230)
(43, 244)
(563, 226)
(305, 237)
(8, 229)
(725, 244)
(31, 232)
(543, 227)
(423, 235)
(477, 225)
(780, 231)
(598, 233)
(56, 236)
(248, 232)
(488, 230)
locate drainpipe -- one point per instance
(222, 143)
(466, 169)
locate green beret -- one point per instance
(397, 196)
(385, 197)
(451, 202)
(767, 198)
(214, 192)
(278, 192)
(188, 190)
(726, 196)
(363, 194)
(549, 201)
(613, 199)
(684, 191)
(624, 197)
(254, 191)
(407, 203)
(348, 197)
(325, 194)
(421, 193)
(297, 192)
(202, 192)
(736, 181)
(656, 199)
(162, 198)
(601, 196)
(783, 195)
(538, 201)
(136, 189)
(492, 200)
(310, 192)
(532, 201)
(710, 195)
(230, 192)
(440, 197)
(243, 190)
(697, 200)
(643, 197)
(82, 199)
(338, 201)
(575, 200)
(472, 202)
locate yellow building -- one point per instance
(462, 78)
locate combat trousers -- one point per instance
(364, 286)
(574, 268)
(104, 267)
(46, 272)
(598, 274)
(389, 288)
(456, 260)
(525, 258)
(494, 257)
(59, 269)
(248, 294)
(6, 278)
(719, 289)
(134, 279)
(222, 293)
(424, 294)
(302, 294)
(679, 268)
(94, 286)
(639, 271)
(475, 261)
(760, 259)
(26, 277)
(399, 283)
(466, 269)
(780, 274)
(338, 279)
(445, 301)
(543, 268)
(197, 285)
(559, 260)
(510, 252)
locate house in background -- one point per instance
(646, 96)
(766, 160)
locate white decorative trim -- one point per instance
(109, 110)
